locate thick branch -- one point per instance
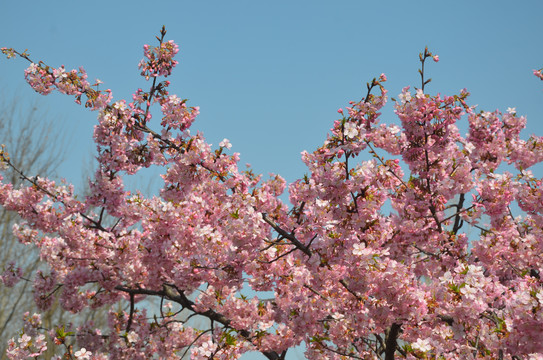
(392, 341)
(286, 235)
(172, 293)
(131, 317)
(457, 220)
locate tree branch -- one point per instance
(286, 235)
(171, 292)
(392, 341)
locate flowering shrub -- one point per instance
(349, 275)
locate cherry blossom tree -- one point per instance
(371, 259)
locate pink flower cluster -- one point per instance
(44, 79)
(30, 343)
(415, 252)
(159, 60)
(177, 115)
(40, 79)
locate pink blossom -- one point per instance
(159, 59)
(351, 130)
(406, 232)
(225, 143)
(82, 354)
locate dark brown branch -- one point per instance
(381, 349)
(447, 319)
(171, 292)
(392, 341)
(457, 220)
(131, 316)
(342, 282)
(280, 256)
(286, 235)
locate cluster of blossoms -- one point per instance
(159, 60)
(40, 79)
(30, 343)
(177, 115)
(372, 258)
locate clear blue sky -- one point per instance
(270, 75)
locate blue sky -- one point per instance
(270, 76)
